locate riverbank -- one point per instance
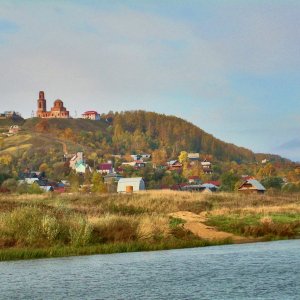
(51, 225)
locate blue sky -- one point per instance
(230, 67)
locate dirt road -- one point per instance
(195, 224)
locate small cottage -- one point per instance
(252, 186)
(91, 115)
(126, 184)
(174, 165)
(105, 168)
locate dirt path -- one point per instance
(195, 224)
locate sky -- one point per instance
(230, 67)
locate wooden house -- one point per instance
(252, 186)
(174, 165)
(105, 168)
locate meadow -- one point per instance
(51, 225)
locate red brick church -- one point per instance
(57, 111)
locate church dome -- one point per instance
(58, 103)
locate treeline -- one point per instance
(147, 131)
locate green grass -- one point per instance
(34, 253)
(271, 226)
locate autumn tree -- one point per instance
(98, 185)
(183, 157)
(159, 157)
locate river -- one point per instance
(249, 271)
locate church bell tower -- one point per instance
(42, 105)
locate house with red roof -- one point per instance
(91, 115)
(105, 168)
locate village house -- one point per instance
(206, 166)
(77, 163)
(14, 129)
(82, 168)
(174, 165)
(105, 168)
(214, 182)
(252, 185)
(11, 115)
(77, 158)
(194, 156)
(194, 180)
(135, 164)
(57, 111)
(126, 185)
(91, 115)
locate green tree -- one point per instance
(98, 185)
(272, 182)
(229, 180)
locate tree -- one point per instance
(272, 182)
(229, 180)
(74, 181)
(267, 171)
(183, 157)
(43, 168)
(98, 185)
(159, 157)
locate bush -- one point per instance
(34, 189)
(10, 184)
(31, 226)
(112, 228)
(80, 231)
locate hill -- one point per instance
(46, 140)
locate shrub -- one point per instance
(34, 189)
(80, 231)
(113, 228)
(10, 184)
(31, 226)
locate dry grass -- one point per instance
(144, 217)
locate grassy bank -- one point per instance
(79, 224)
(34, 253)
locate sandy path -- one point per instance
(195, 224)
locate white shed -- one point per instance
(137, 183)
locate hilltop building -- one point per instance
(57, 111)
(11, 115)
(91, 115)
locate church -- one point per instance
(57, 111)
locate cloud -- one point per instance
(168, 58)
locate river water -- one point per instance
(249, 271)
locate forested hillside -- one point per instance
(129, 132)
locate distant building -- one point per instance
(252, 186)
(82, 167)
(206, 166)
(193, 156)
(137, 184)
(57, 111)
(14, 129)
(174, 165)
(105, 168)
(194, 180)
(76, 159)
(135, 164)
(91, 115)
(11, 115)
